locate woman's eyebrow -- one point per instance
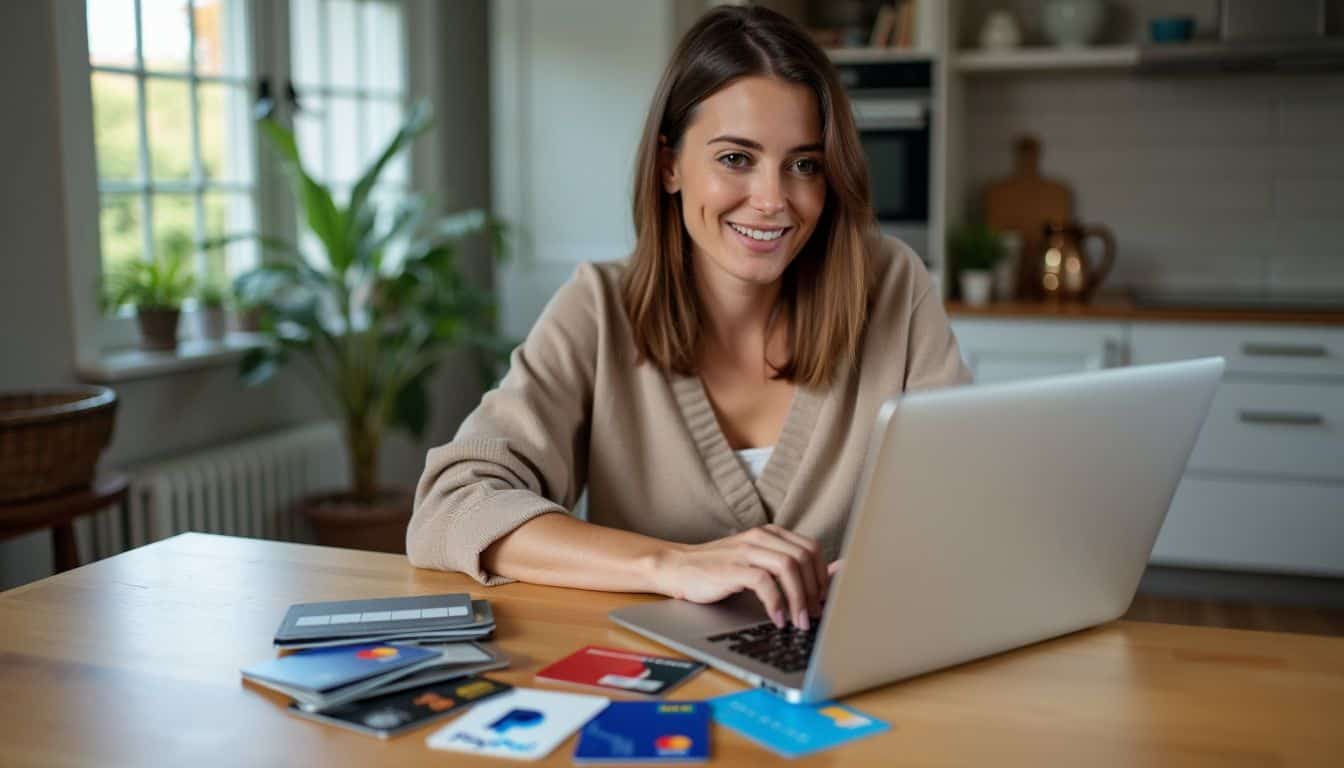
(756, 145)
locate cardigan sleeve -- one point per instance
(934, 359)
(522, 453)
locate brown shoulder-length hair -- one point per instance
(824, 291)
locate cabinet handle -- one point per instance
(1284, 418)
(1114, 354)
(1253, 349)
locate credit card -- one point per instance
(792, 730)
(395, 713)
(646, 732)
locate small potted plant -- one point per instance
(975, 249)
(212, 301)
(156, 289)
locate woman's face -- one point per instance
(750, 178)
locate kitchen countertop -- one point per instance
(1124, 308)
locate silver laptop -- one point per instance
(986, 518)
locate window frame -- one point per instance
(105, 346)
(99, 337)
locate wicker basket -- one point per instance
(50, 441)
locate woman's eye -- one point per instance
(807, 166)
(734, 160)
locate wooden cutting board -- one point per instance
(1023, 203)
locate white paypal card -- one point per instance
(524, 724)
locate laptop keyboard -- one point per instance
(784, 649)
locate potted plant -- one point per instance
(156, 289)
(975, 249)
(373, 316)
(211, 302)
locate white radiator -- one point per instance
(242, 489)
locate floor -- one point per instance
(1237, 615)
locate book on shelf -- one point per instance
(884, 27)
(903, 36)
(894, 26)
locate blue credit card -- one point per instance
(646, 732)
(322, 669)
(792, 730)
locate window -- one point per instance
(175, 144)
(350, 78)
(177, 157)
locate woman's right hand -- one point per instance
(785, 570)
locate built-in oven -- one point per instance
(893, 111)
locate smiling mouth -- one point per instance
(762, 235)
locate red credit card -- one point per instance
(616, 669)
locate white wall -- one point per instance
(572, 82)
(178, 413)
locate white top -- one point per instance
(754, 460)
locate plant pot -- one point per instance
(158, 327)
(975, 287)
(214, 322)
(341, 520)
(247, 320)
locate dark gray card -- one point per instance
(381, 616)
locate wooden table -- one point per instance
(134, 661)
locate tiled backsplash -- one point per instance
(1208, 182)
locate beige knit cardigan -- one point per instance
(576, 412)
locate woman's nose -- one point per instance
(767, 195)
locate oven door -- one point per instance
(895, 138)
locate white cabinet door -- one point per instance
(1010, 350)
(1264, 489)
(1258, 350)
(1254, 524)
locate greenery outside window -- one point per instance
(175, 143)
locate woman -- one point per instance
(715, 393)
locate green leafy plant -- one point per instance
(975, 247)
(375, 314)
(161, 283)
(212, 294)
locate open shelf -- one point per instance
(864, 55)
(1042, 58)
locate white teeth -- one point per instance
(759, 234)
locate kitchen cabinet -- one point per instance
(1264, 488)
(1011, 350)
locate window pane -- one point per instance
(343, 56)
(383, 46)
(308, 124)
(343, 126)
(305, 31)
(229, 214)
(221, 38)
(165, 35)
(175, 227)
(226, 133)
(168, 114)
(384, 119)
(116, 129)
(119, 223)
(111, 32)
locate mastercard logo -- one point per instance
(376, 654)
(673, 744)
(844, 718)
